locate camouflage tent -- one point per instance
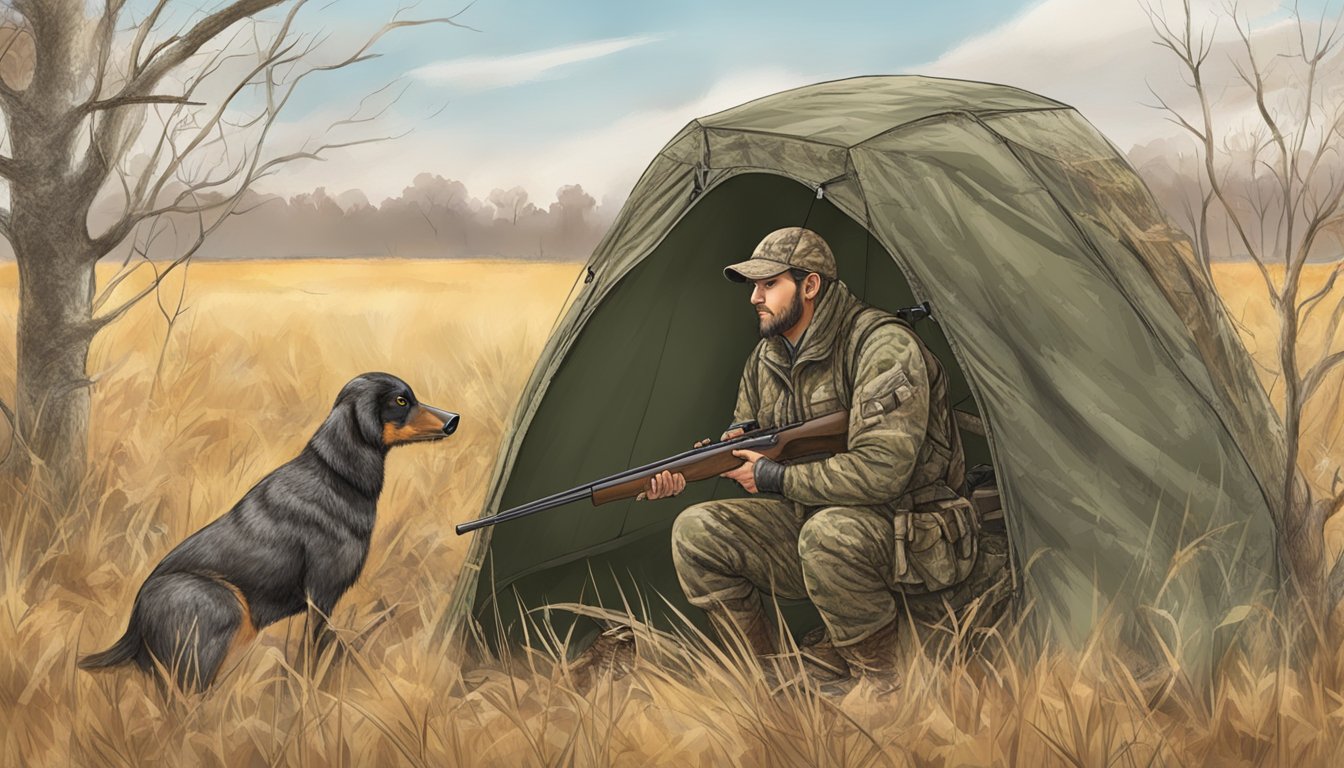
(1121, 412)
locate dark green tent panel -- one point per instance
(1123, 417)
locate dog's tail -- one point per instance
(122, 651)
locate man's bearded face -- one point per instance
(778, 302)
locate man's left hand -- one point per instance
(745, 475)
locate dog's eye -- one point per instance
(401, 401)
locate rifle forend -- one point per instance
(823, 435)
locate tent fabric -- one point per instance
(1140, 461)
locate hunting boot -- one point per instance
(746, 623)
(874, 659)
(823, 663)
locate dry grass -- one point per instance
(251, 370)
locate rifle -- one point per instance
(823, 435)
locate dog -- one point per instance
(301, 534)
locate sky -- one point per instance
(541, 94)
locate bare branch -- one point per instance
(1317, 373)
(316, 154)
(146, 26)
(15, 436)
(96, 324)
(272, 58)
(1305, 308)
(126, 101)
(118, 231)
(135, 200)
(354, 118)
(164, 59)
(103, 34)
(1174, 116)
(1332, 328)
(123, 273)
(104, 150)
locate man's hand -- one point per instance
(666, 484)
(729, 435)
(663, 485)
(745, 475)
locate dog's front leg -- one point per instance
(318, 635)
(329, 571)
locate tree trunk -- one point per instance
(48, 230)
(1302, 540)
(56, 294)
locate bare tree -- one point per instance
(173, 120)
(509, 201)
(1270, 185)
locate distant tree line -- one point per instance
(437, 217)
(434, 217)
(1174, 170)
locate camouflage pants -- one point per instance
(729, 552)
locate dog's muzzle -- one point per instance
(448, 418)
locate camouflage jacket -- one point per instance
(904, 448)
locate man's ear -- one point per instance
(811, 285)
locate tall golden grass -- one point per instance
(250, 370)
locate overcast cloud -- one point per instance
(485, 72)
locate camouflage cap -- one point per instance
(783, 249)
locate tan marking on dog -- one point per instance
(247, 629)
(421, 423)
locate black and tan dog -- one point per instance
(300, 534)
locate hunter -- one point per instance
(848, 532)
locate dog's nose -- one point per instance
(450, 424)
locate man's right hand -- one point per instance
(667, 484)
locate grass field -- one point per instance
(250, 370)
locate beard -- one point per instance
(775, 325)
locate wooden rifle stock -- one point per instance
(821, 436)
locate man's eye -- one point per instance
(769, 283)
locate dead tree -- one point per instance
(1273, 192)
(171, 121)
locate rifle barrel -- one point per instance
(540, 505)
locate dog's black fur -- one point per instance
(300, 534)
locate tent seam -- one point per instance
(943, 115)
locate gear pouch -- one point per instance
(936, 544)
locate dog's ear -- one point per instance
(358, 407)
(366, 415)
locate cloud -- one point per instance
(1099, 58)
(486, 72)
